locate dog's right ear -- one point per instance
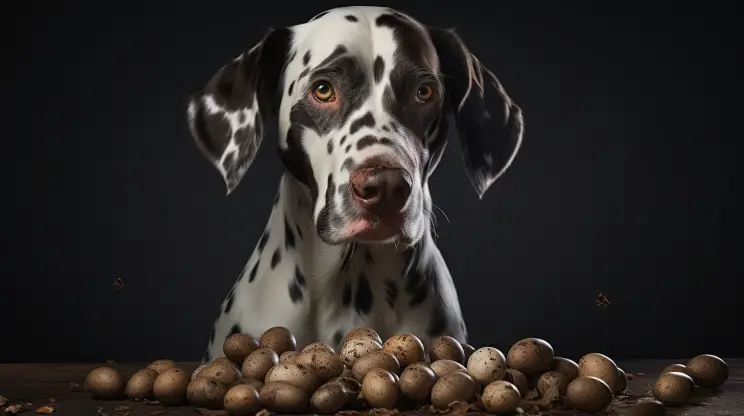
(489, 124)
(228, 116)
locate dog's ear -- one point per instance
(227, 117)
(489, 124)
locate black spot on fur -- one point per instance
(351, 18)
(329, 146)
(367, 120)
(342, 141)
(385, 128)
(299, 231)
(366, 141)
(306, 58)
(290, 89)
(230, 300)
(241, 117)
(347, 149)
(346, 299)
(418, 295)
(338, 337)
(348, 164)
(299, 277)
(303, 73)
(438, 322)
(337, 52)
(235, 330)
(363, 299)
(289, 238)
(211, 337)
(276, 258)
(378, 68)
(295, 292)
(324, 217)
(417, 286)
(391, 292)
(254, 270)
(264, 239)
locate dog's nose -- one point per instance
(381, 191)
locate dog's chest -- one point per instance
(367, 291)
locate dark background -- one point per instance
(626, 184)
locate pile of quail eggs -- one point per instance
(399, 373)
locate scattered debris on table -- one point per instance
(601, 300)
(18, 408)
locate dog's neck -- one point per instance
(322, 262)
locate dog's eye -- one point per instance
(424, 93)
(323, 92)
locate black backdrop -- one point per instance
(626, 184)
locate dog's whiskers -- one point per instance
(442, 211)
(432, 219)
(353, 247)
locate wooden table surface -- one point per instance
(50, 384)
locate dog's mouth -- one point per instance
(368, 230)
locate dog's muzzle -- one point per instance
(380, 192)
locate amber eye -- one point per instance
(424, 93)
(323, 92)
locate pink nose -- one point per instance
(381, 191)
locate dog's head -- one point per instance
(363, 98)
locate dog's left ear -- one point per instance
(489, 124)
(227, 117)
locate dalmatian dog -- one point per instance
(363, 99)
